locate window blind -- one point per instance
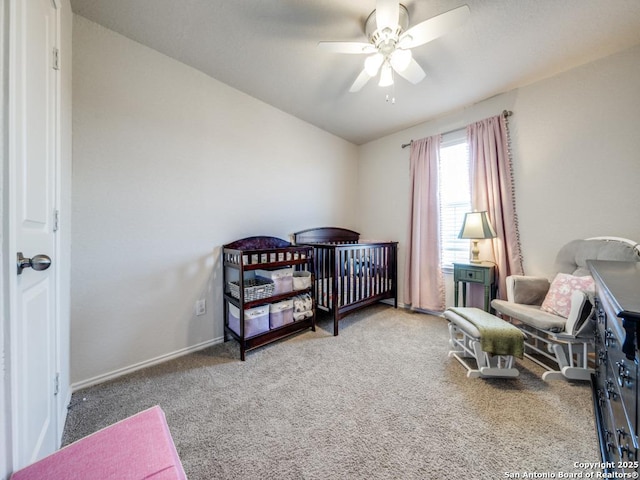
(455, 197)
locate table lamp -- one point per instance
(476, 227)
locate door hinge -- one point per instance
(56, 220)
(56, 59)
(56, 384)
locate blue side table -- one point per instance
(482, 273)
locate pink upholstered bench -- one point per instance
(139, 447)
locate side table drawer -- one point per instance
(471, 275)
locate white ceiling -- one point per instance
(268, 49)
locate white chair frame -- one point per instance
(569, 353)
(466, 346)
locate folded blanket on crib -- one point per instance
(497, 337)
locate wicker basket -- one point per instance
(254, 289)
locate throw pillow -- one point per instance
(558, 298)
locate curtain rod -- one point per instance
(505, 113)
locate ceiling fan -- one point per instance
(390, 42)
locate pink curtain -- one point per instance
(492, 190)
(424, 282)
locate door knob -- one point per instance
(39, 262)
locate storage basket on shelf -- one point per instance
(254, 289)
(281, 278)
(256, 320)
(280, 313)
(302, 307)
(301, 280)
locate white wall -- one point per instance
(169, 164)
(160, 151)
(575, 153)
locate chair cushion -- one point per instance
(558, 298)
(530, 314)
(527, 289)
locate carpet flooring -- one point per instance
(380, 401)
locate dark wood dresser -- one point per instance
(615, 381)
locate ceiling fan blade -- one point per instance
(387, 14)
(347, 47)
(413, 73)
(433, 28)
(360, 82)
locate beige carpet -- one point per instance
(380, 401)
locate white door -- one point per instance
(33, 134)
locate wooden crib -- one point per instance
(350, 274)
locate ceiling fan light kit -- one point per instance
(386, 75)
(400, 59)
(391, 41)
(373, 63)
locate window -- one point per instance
(455, 197)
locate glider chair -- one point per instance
(555, 313)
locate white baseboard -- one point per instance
(147, 363)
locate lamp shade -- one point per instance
(476, 226)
